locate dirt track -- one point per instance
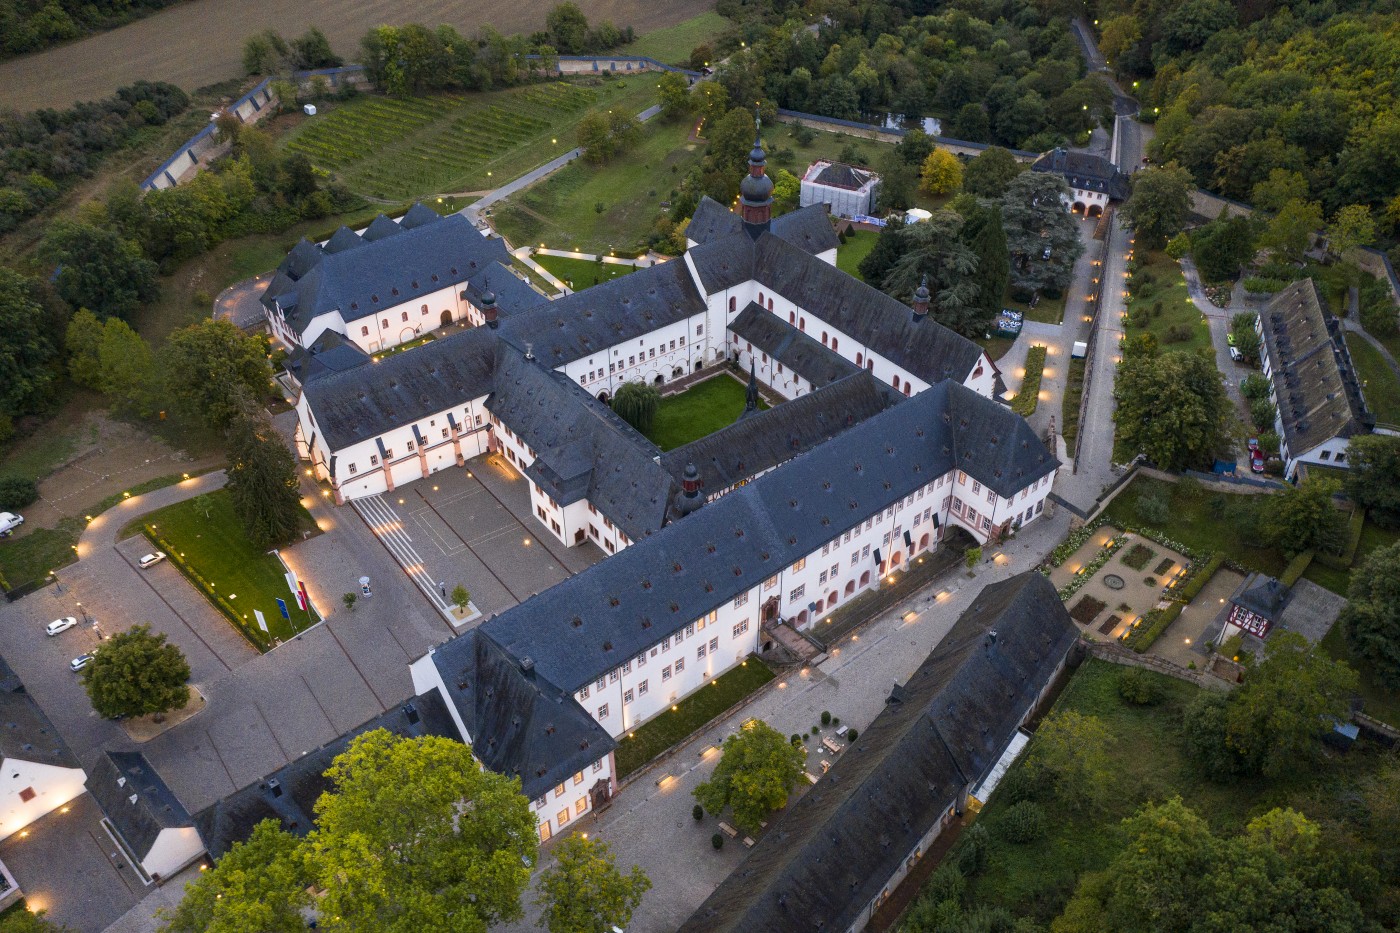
(200, 42)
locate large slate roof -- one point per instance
(362, 275)
(761, 440)
(520, 723)
(582, 448)
(1085, 171)
(593, 621)
(1313, 377)
(597, 318)
(796, 350)
(331, 352)
(135, 799)
(808, 228)
(831, 854)
(289, 794)
(364, 402)
(25, 731)
(712, 221)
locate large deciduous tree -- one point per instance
(415, 835)
(262, 480)
(1171, 407)
(99, 270)
(27, 350)
(1041, 234)
(674, 91)
(584, 892)
(757, 772)
(1373, 480)
(1159, 203)
(1371, 618)
(258, 885)
(212, 369)
(1070, 753)
(636, 403)
(1290, 231)
(989, 174)
(136, 673)
(1302, 518)
(942, 173)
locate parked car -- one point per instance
(9, 521)
(60, 625)
(1252, 444)
(151, 560)
(80, 662)
(1230, 338)
(1256, 461)
(1236, 355)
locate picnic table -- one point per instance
(830, 746)
(728, 830)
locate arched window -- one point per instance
(733, 303)
(792, 317)
(906, 387)
(860, 360)
(823, 338)
(802, 324)
(760, 298)
(770, 304)
(405, 317)
(833, 343)
(870, 365)
(894, 381)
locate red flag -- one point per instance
(302, 599)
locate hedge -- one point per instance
(1197, 576)
(1344, 560)
(1296, 568)
(1152, 626)
(1024, 404)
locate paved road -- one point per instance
(650, 824)
(1219, 321)
(239, 303)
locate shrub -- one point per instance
(972, 854)
(717, 841)
(1017, 785)
(1150, 581)
(1029, 397)
(16, 492)
(852, 735)
(836, 720)
(826, 718)
(1139, 687)
(1177, 333)
(1154, 508)
(1022, 822)
(1138, 555)
(1295, 569)
(797, 738)
(1254, 387)
(1152, 626)
(1197, 576)
(816, 729)
(1261, 412)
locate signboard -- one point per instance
(262, 623)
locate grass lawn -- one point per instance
(392, 148)
(785, 152)
(1147, 756)
(698, 412)
(1046, 311)
(858, 245)
(1379, 384)
(996, 346)
(652, 738)
(672, 45)
(1214, 522)
(225, 566)
(582, 273)
(563, 210)
(39, 454)
(1167, 288)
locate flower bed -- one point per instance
(1087, 609)
(1074, 541)
(1086, 573)
(1138, 556)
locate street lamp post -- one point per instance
(57, 583)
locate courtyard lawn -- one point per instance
(996, 346)
(858, 245)
(582, 273)
(1213, 522)
(1046, 310)
(688, 716)
(673, 44)
(1178, 313)
(401, 148)
(698, 412)
(1379, 384)
(223, 564)
(786, 152)
(603, 208)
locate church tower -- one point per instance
(756, 190)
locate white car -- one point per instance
(1235, 354)
(9, 521)
(60, 625)
(151, 559)
(80, 662)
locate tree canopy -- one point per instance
(935, 248)
(989, 174)
(262, 480)
(137, 673)
(1373, 479)
(258, 885)
(756, 773)
(584, 892)
(415, 835)
(1159, 203)
(636, 403)
(1371, 618)
(1302, 518)
(1042, 237)
(1070, 753)
(1171, 407)
(212, 369)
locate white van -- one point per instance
(9, 521)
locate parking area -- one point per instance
(473, 527)
(67, 865)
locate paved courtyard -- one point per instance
(1123, 593)
(473, 526)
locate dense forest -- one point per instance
(31, 25)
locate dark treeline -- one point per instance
(32, 25)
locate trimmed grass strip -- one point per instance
(1028, 398)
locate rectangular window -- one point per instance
(972, 516)
(680, 665)
(580, 805)
(626, 667)
(991, 497)
(562, 816)
(835, 568)
(642, 659)
(631, 361)
(741, 628)
(770, 583)
(855, 557)
(444, 434)
(865, 552)
(583, 692)
(612, 368)
(601, 684)
(597, 766)
(699, 329)
(976, 487)
(603, 711)
(962, 477)
(822, 578)
(797, 593)
(682, 341)
(700, 653)
(666, 672)
(354, 469)
(578, 779)
(798, 565)
(652, 355)
(826, 549)
(627, 696)
(374, 459)
(690, 630)
(410, 446)
(714, 645)
(559, 791)
(642, 688)
(612, 676)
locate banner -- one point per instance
(262, 623)
(282, 605)
(292, 581)
(302, 599)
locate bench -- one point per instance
(826, 766)
(811, 778)
(728, 830)
(748, 842)
(841, 732)
(831, 746)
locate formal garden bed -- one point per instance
(1028, 398)
(1106, 565)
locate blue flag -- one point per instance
(282, 605)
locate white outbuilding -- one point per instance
(850, 191)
